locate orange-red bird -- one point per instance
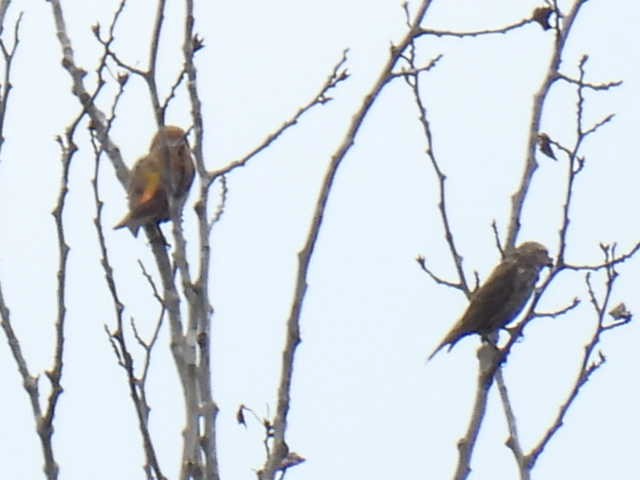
(152, 185)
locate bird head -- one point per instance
(170, 136)
(533, 253)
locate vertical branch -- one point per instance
(137, 387)
(198, 293)
(487, 373)
(531, 164)
(280, 450)
(30, 384)
(513, 442)
(44, 421)
(412, 78)
(187, 345)
(183, 343)
(45, 426)
(98, 118)
(150, 74)
(467, 443)
(490, 367)
(576, 162)
(8, 55)
(4, 6)
(588, 364)
(179, 348)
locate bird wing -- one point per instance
(182, 170)
(485, 306)
(150, 188)
(145, 182)
(491, 301)
(147, 197)
(502, 296)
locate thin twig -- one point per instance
(338, 75)
(280, 449)
(575, 163)
(137, 390)
(562, 311)
(600, 266)
(423, 265)
(77, 74)
(477, 33)
(591, 86)
(9, 55)
(517, 200)
(413, 82)
(224, 191)
(587, 366)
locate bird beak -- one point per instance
(549, 262)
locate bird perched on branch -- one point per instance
(159, 179)
(502, 296)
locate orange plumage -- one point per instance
(162, 176)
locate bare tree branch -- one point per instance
(562, 311)
(562, 33)
(467, 443)
(98, 120)
(513, 442)
(197, 293)
(8, 55)
(423, 265)
(44, 420)
(588, 365)
(137, 390)
(477, 33)
(338, 75)
(280, 450)
(413, 81)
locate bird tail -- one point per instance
(438, 348)
(130, 224)
(451, 339)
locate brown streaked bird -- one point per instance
(151, 186)
(502, 296)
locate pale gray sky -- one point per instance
(365, 405)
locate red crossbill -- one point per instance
(151, 186)
(503, 295)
